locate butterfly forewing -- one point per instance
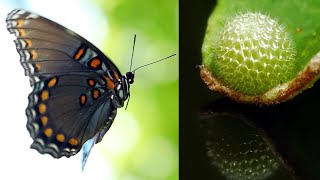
(46, 48)
(73, 84)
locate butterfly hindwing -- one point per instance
(73, 84)
(62, 115)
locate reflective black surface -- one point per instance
(292, 126)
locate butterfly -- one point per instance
(76, 88)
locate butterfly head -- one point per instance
(123, 89)
(130, 77)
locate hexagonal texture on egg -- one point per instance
(253, 53)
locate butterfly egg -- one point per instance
(236, 150)
(251, 54)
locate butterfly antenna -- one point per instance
(134, 43)
(154, 62)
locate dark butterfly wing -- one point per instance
(86, 148)
(73, 84)
(43, 42)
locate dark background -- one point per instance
(193, 17)
(293, 126)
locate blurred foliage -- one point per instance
(154, 95)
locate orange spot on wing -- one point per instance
(34, 54)
(20, 23)
(116, 75)
(28, 43)
(83, 99)
(52, 82)
(79, 54)
(48, 132)
(37, 67)
(110, 83)
(44, 95)
(73, 141)
(22, 32)
(95, 63)
(42, 108)
(44, 120)
(95, 94)
(60, 137)
(91, 82)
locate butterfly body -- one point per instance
(76, 88)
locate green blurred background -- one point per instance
(154, 100)
(143, 140)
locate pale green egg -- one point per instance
(252, 54)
